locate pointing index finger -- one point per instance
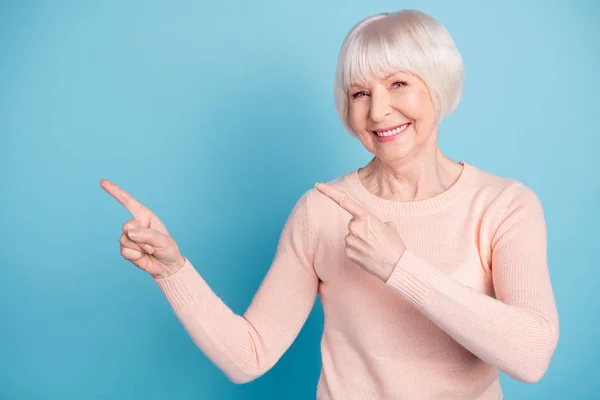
(342, 199)
(131, 204)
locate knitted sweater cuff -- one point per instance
(413, 278)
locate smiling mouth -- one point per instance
(393, 131)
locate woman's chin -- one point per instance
(396, 150)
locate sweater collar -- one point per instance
(426, 206)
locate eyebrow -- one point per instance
(399, 72)
(385, 78)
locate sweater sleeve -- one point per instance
(245, 347)
(517, 331)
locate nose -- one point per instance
(380, 105)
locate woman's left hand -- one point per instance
(374, 245)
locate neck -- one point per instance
(418, 178)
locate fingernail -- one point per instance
(132, 233)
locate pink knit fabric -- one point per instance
(470, 297)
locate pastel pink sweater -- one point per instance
(470, 297)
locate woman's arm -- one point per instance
(518, 331)
(245, 347)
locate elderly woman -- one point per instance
(432, 273)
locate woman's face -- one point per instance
(393, 117)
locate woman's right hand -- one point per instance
(145, 241)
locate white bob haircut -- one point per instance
(409, 41)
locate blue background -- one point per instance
(218, 116)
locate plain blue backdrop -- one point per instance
(218, 116)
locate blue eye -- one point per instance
(358, 94)
(399, 84)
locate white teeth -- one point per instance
(393, 131)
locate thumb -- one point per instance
(391, 225)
